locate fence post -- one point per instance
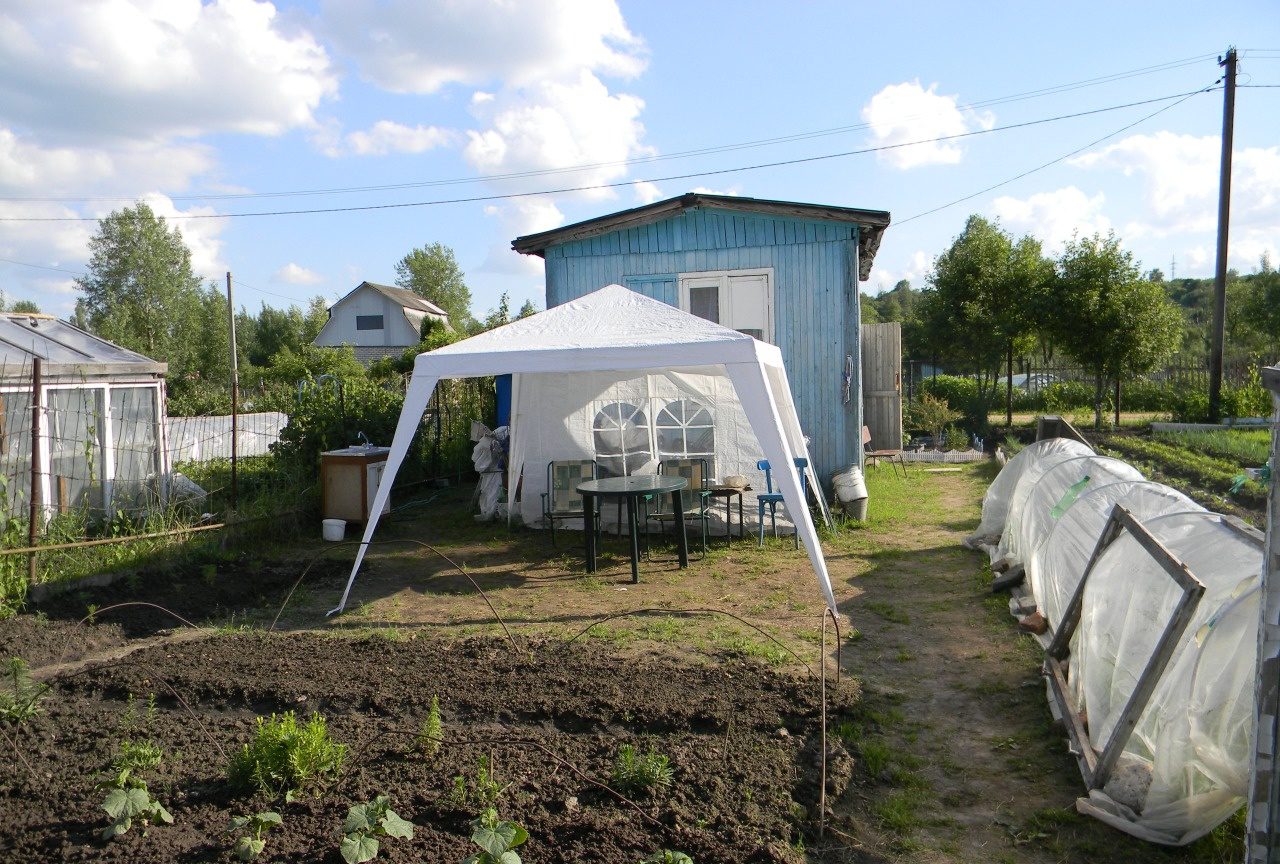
(35, 517)
(235, 387)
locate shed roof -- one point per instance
(403, 296)
(871, 222)
(65, 349)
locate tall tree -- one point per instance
(432, 272)
(979, 305)
(1107, 316)
(140, 290)
(527, 309)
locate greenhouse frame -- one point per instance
(100, 435)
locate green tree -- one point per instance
(526, 310)
(499, 316)
(432, 272)
(981, 302)
(139, 289)
(1261, 305)
(1107, 316)
(28, 306)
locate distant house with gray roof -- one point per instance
(378, 321)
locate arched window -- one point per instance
(685, 430)
(622, 439)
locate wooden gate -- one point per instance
(882, 384)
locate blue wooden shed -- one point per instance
(783, 271)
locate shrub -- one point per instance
(931, 414)
(952, 389)
(284, 757)
(1061, 397)
(639, 773)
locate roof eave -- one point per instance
(871, 223)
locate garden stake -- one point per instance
(822, 779)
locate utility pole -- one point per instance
(1224, 214)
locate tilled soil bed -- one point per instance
(742, 739)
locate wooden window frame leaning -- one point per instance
(1096, 767)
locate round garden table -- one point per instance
(633, 489)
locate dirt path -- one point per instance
(963, 759)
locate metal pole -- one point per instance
(235, 388)
(35, 517)
(1224, 214)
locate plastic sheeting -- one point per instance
(1185, 767)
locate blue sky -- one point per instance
(183, 104)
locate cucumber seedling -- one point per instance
(496, 839)
(252, 832)
(365, 823)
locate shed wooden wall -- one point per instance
(816, 312)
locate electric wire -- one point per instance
(1055, 161)
(710, 150)
(618, 184)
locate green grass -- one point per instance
(889, 612)
(1246, 447)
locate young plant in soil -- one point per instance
(365, 823)
(667, 856)
(19, 695)
(127, 795)
(639, 773)
(480, 792)
(285, 757)
(495, 839)
(249, 845)
(429, 736)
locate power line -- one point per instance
(685, 154)
(1065, 156)
(622, 183)
(41, 267)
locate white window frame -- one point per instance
(726, 296)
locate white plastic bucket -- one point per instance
(333, 529)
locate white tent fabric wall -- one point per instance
(617, 332)
(552, 422)
(1192, 741)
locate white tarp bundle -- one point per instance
(615, 342)
(1185, 767)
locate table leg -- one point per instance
(589, 523)
(677, 507)
(728, 519)
(634, 530)
(742, 525)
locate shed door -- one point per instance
(882, 384)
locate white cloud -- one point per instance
(80, 70)
(1053, 217)
(387, 136)
(122, 168)
(516, 218)
(1179, 176)
(414, 46)
(732, 191)
(296, 274)
(202, 236)
(902, 113)
(887, 274)
(646, 192)
(557, 124)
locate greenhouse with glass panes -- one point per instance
(98, 434)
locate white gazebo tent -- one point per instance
(614, 330)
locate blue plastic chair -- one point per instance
(772, 499)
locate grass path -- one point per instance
(962, 762)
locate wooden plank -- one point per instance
(1080, 746)
(1064, 629)
(1169, 562)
